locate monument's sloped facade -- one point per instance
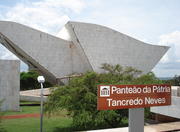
(52, 56)
(104, 45)
(88, 47)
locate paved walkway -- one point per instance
(150, 128)
(35, 92)
(20, 116)
(163, 127)
(34, 95)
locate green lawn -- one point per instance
(24, 110)
(53, 124)
(57, 123)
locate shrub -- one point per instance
(175, 81)
(79, 97)
(28, 81)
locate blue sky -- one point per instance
(155, 22)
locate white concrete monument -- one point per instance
(9, 84)
(79, 47)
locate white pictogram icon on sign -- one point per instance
(104, 91)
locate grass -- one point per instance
(29, 102)
(57, 123)
(33, 124)
(24, 110)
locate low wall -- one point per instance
(172, 110)
(9, 84)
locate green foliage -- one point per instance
(57, 123)
(148, 78)
(147, 113)
(175, 81)
(28, 80)
(79, 97)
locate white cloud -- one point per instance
(6, 54)
(172, 40)
(170, 63)
(46, 15)
(73, 5)
(64, 34)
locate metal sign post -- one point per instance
(136, 120)
(41, 121)
(41, 80)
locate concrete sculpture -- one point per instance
(9, 84)
(84, 48)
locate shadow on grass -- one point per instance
(65, 129)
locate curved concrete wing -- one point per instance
(104, 45)
(88, 46)
(52, 56)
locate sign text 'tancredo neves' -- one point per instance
(132, 96)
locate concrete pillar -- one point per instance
(136, 120)
(9, 84)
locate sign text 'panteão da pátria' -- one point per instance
(132, 96)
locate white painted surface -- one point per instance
(64, 34)
(34, 95)
(172, 110)
(9, 84)
(52, 56)
(104, 45)
(150, 128)
(87, 48)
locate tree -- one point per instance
(175, 81)
(28, 81)
(79, 97)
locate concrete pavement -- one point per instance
(163, 127)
